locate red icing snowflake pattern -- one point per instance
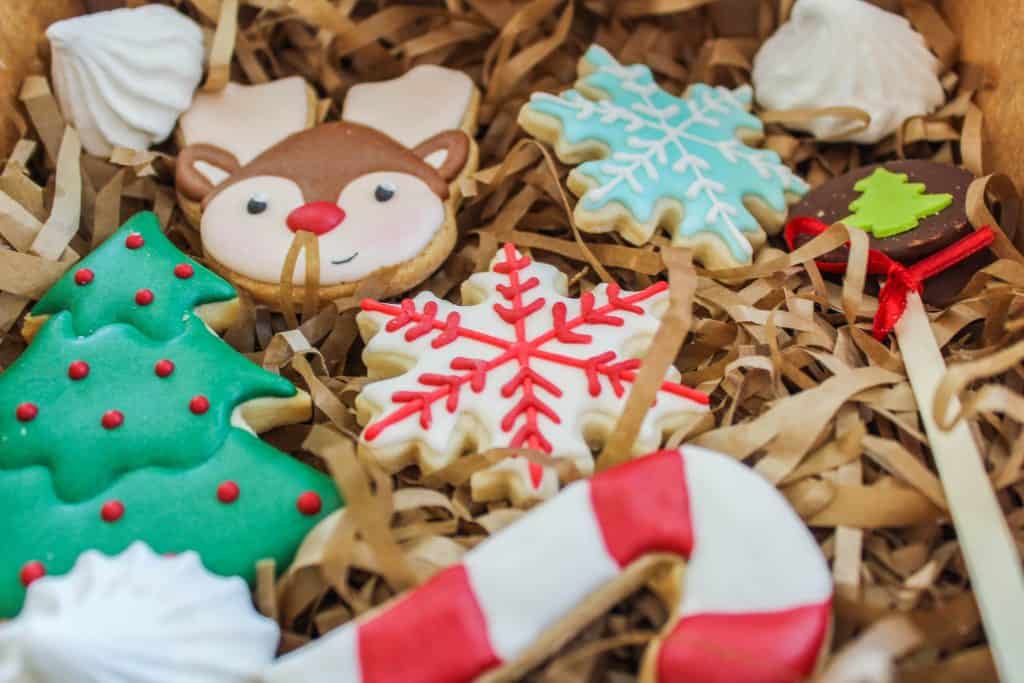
(526, 363)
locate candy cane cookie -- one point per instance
(753, 602)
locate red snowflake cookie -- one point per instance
(519, 365)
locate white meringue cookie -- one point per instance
(848, 53)
(137, 617)
(124, 77)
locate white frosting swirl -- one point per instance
(137, 617)
(848, 53)
(123, 77)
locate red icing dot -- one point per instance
(308, 503)
(26, 412)
(163, 368)
(228, 492)
(112, 419)
(83, 276)
(183, 271)
(30, 571)
(144, 297)
(112, 511)
(79, 369)
(134, 241)
(199, 404)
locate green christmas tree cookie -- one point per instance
(889, 205)
(140, 278)
(124, 434)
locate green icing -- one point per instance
(889, 205)
(119, 272)
(159, 429)
(171, 510)
(164, 462)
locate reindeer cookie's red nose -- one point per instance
(318, 218)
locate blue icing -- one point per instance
(667, 147)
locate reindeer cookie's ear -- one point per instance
(199, 167)
(448, 152)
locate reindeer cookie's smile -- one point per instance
(343, 261)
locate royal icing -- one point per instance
(848, 53)
(123, 77)
(137, 617)
(889, 205)
(411, 108)
(752, 605)
(137, 277)
(519, 365)
(652, 159)
(388, 202)
(110, 434)
(245, 120)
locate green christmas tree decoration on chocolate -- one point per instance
(889, 205)
(136, 277)
(118, 435)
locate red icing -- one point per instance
(112, 511)
(437, 633)
(163, 368)
(83, 276)
(759, 647)
(26, 412)
(134, 241)
(112, 419)
(318, 218)
(144, 297)
(31, 571)
(199, 404)
(657, 520)
(183, 271)
(532, 387)
(228, 492)
(78, 369)
(308, 503)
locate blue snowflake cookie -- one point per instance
(647, 159)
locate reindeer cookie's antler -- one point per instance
(756, 592)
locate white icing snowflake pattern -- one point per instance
(657, 152)
(520, 366)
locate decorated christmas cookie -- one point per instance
(910, 208)
(137, 277)
(138, 617)
(114, 432)
(753, 603)
(519, 365)
(647, 160)
(414, 107)
(848, 53)
(123, 77)
(374, 207)
(244, 120)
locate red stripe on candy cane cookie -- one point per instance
(766, 647)
(436, 634)
(643, 507)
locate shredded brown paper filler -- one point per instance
(800, 389)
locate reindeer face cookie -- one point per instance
(371, 203)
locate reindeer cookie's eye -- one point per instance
(384, 192)
(257, 203)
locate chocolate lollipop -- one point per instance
(912, 209)
(988, 547)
